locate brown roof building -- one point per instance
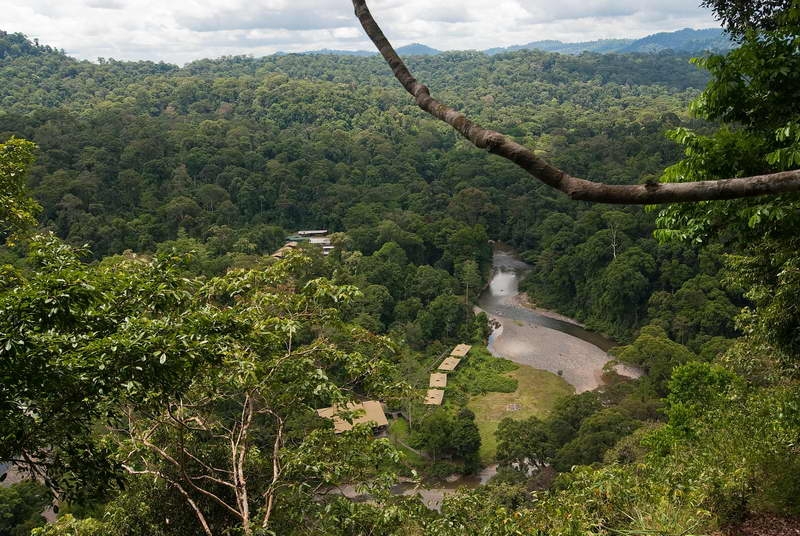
(434, 397)
(461, 350)
(438, 380)
(281, 253)
(449, 364)
(370, 411)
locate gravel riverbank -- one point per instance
(539, 338)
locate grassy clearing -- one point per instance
(488, 385)
(399, 431)
(537, 391)
(480, 373)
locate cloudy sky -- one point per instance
(179, 31)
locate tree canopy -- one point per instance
(575, 188)
(165, 380)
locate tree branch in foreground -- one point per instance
(574, 187)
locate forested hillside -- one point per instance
(134, 155)
(164, 371)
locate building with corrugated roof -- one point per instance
(315, 232)
(461, 350)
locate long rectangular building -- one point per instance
(313, 232)
(461, 350)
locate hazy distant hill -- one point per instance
(417, 49)
(686, 40)
(414, 49)
(601, 46)
(334, 52)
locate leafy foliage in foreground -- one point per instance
(21, 507)
(207, 386)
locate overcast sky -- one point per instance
(179, 31)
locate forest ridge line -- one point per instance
(684, 41)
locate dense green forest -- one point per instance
(223, 155)
(163, 370)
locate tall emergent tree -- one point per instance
(241, 444)
(208, 387)
(17, 210)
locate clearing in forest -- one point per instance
(536, 394)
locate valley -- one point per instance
(270, 295)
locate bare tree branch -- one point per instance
(238, 458)
(574, 187)
(180, 467)
(276, 471)
(200, 517)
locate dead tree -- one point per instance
(576, 188)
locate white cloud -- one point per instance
(106, 4)
(182, 30)
(266, 14)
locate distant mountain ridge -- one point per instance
(414, 49)
(689, 40)
(686, 40)
(601, 46)
(418, 49)
(332, 52)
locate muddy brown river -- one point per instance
(538, 338)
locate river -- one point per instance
(538, 338)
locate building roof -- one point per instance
(461, 350)
(438, 379)
(313, 232)
(434, 397)
(370, 411)
(449, 363)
